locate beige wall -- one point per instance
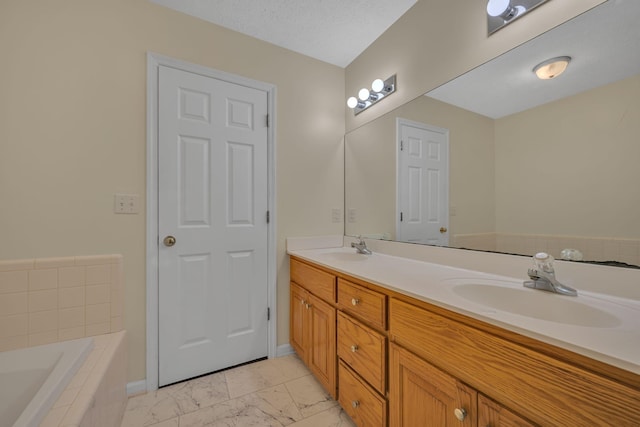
(438, 40)
(73, 132)
(571, 167)
(370, 172)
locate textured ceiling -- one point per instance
(334, 31)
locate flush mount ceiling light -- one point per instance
(366, 98)
(552, 67)
(503, 12)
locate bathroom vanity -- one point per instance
(401, 342)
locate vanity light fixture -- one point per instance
(552, 67)
(503, 12)
(366, 98)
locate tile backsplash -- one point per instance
(46, 300)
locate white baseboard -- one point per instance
(284, 350)
(136, 387)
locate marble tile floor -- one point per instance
(275, 392)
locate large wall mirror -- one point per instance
(499, 160)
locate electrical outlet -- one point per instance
(126, 204)
(336, 215)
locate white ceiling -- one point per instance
(334, 31)
(604, 44)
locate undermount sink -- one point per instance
(537, 304)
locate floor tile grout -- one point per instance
(283, 406)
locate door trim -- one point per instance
(154, 61)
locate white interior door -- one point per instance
(212, 199)
(423, 183)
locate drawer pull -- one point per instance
(460, 414)
(355, 301)
(355, 403)
(354, 348)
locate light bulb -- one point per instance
(363, 94)
(352, 102)
(497, 7)
(377, 85)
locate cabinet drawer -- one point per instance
(359, 401)
(321, 283)
(363, 349)
(370, 306)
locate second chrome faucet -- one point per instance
(361, 246)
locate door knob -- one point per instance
(169, 241)
(443, 230)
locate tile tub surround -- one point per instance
(96, 396)
(47, 300)
(593, 248)
(274, 392)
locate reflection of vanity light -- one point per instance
(552, 67)
(503, 9)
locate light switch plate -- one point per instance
(336, 215)
(126, 204)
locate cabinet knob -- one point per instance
(354, 348)
(460, 414)
(355, 301)
(307, 305)
(355, 403)
(303, 302)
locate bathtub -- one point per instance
(31, 379)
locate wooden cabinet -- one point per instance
(365, 304)
(321, 353)
(391, 358)
(536, 385)
(298, 335)
(364, 350)
(365, 407)
(492, 414)
(312, 327)
(421, 395)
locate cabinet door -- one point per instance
(421, 395)
(298, 336)
(322, 357)
(492, 414)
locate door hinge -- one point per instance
(401, 145)
(267, 121)
(400, 216)
(268, 313)
(268, 217)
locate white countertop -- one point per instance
(615, 338)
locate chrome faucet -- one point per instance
(361, 246)
(543, 277)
